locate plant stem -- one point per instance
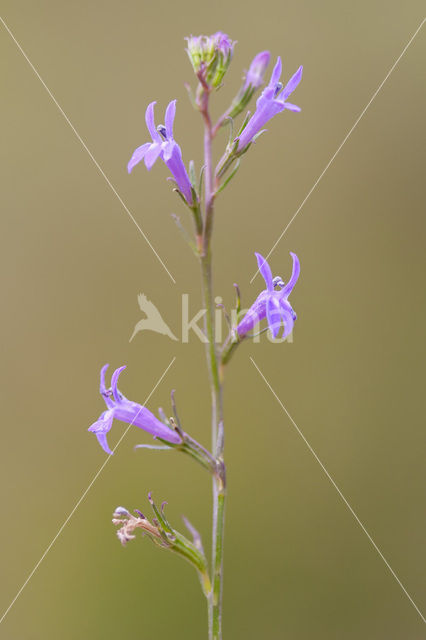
(219, 484)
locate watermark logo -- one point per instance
(153, 320)
(192, 323)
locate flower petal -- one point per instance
(102, 439)
(273, 314)
(150, 122)
(292, 107)
(139, 416)
(276, 73)
(168, 148)
(101, 427)
(152, 154)
(177, 168)
(137, 156)
(292, 83)
(114, 380)
(265, 270)
(285, 292)
(170, 118)
(288, 317)
(103, 390)
(254, 315)
(102, 387)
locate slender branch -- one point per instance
(208, 178)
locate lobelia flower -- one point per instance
(127, 411)
(271, 101)
(252, 81)
(163, 146)
(272, 303)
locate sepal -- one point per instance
(187, 444)
(229, 178)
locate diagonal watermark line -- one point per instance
(339, 491)
(318, 180)
(84, 494)
(86, 148)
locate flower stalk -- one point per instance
(219, 480)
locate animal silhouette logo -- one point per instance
(153, 320)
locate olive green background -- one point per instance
(297, 564)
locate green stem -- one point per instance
(219, 485)
(215, 632)
(212, 360)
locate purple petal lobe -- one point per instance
(114, 380)
(170, 118)
(273, 314)
(101, 427)
(292, 107)
(150, 122)
(152, 154)
(287, 316)
(265, 270)
(276, 73)
(102, 439)
(292, 83)
(137, 156)
(168, 148)
(102, 386)
(285, 292)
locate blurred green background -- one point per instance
(297, 563)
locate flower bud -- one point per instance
(252, 82)
(210, 57)
(257, 70)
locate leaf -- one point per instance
(229, 178)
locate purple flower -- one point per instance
(272, 303)
(127, 411)
(271, 101)
(163, 146)
(259, 64)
